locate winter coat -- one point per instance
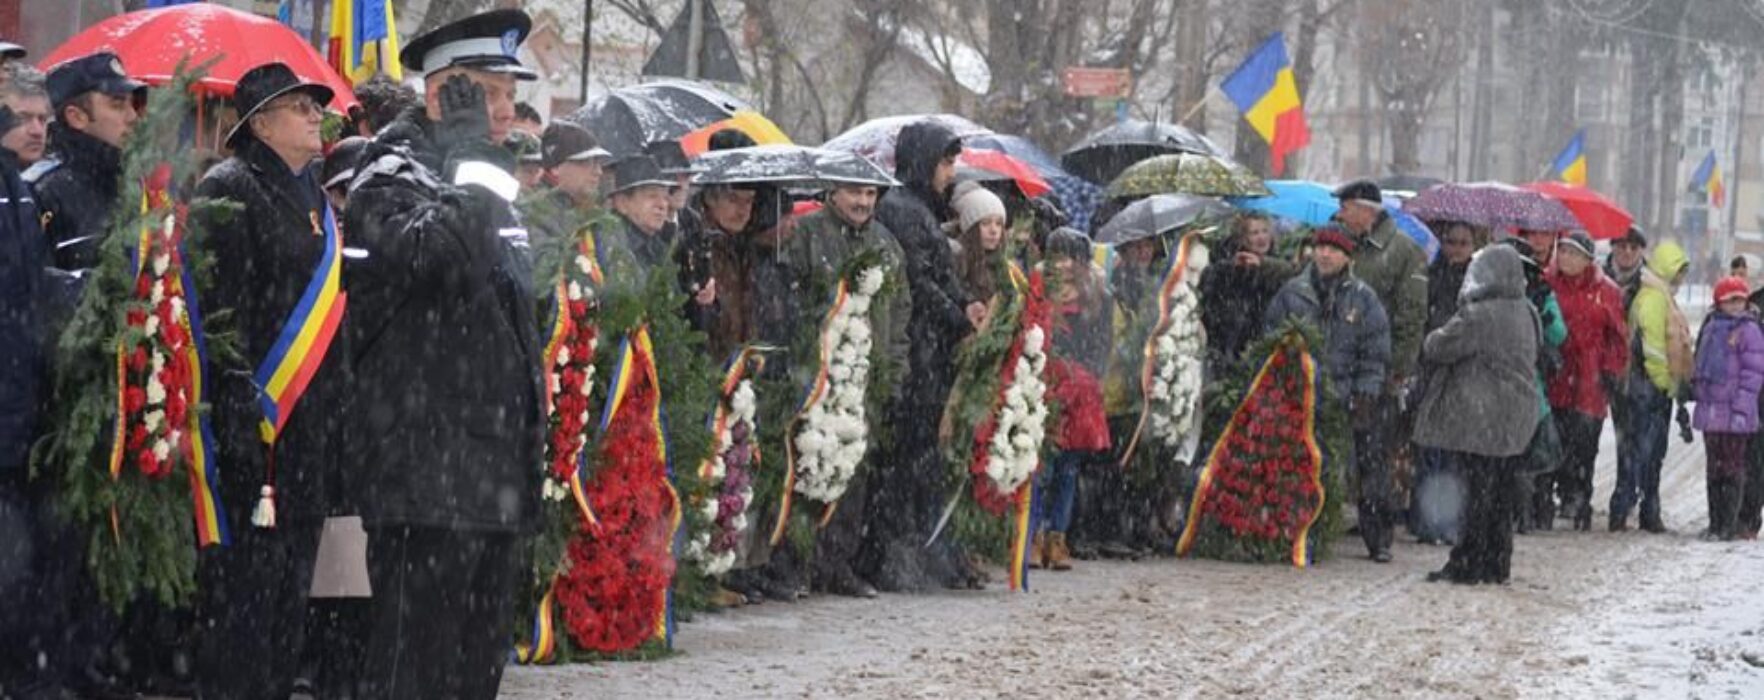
(1444, 281)
(77, 197)
(1356, 333)
(813, 254)
(22, 341)
(753, 288)
(1079, 356)
(264, 256)
(1598, 341)
(1396, 269)
(939, 317)
(1233, 298)
(1729, 374)
(449, 421)
(1484, 401)
(1628, 282)
(1659, 339)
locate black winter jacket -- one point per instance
(21, 324)
(448, 422)
(78, 196)
(264, 257)
(939, 320)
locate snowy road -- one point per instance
(1587, 615)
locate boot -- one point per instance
(1543, 511)
(1038, 551)
(1619, 522)
(1583, 514)
(1058, 557)
(1653, 524)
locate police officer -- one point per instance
(95, 105)
(448, 422)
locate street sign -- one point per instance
(716, 54)
(1096, 82)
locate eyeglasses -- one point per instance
(306, 107)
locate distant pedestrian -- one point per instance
(1729, 375)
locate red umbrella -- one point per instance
(152, 42)
(997, 165)
(1602, 217)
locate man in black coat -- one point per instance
(95, 109)
(906, 493)
(445, 439)
(267, 256)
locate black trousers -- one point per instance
(1484, 552)
(1376, 512)
(1573, 480)
(904, 498)
(439, 621)
(1751, 509)
(837, 544)
(251, 610)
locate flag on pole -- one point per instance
(364, 40)
(1570, 165)
(1268, 97)
(1707, 180)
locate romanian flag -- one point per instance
(1264, 90)
(1707, 179)
(364, 40)
(1570, 165)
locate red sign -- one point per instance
(1097, 82)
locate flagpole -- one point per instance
(1198, 105)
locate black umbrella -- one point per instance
(630, 118)
(1101, 156)
(782, 163)
(1159, 214)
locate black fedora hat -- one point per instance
(267, 82)
(635, 172)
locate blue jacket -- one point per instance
(22, 338)
(1356, 332)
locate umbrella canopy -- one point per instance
(875, 138)
(1103, 155)
(1313, 204)
(1492, 204)
(151, 43)
(1078, 197)
(785, 163)
(630, 118)
(1157, 215)
(754, 124)
(981, 164)
(1187, 173)
(1601, 217)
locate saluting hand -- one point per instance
(708, 294)
(464, 116)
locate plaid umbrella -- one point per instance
(1492, 204)
(1187, 173)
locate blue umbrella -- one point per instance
(1313, 204)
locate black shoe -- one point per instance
(849, 585)
(1617, 523)
(1583, 518)
(1381, 556)
(1448, 575)
(1653, 526)
(1117, 550)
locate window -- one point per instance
(1700, 135)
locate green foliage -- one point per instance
(152, 548)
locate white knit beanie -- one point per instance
(972, 202)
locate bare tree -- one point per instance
(1413, 47)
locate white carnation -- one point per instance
(155, 392)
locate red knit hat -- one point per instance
(1333, 236)
(1731, 287)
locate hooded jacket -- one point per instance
(912, 213)
(1729, 375)
(1659, 339)
(21, 324)
(264, 257)
(1483, 397)
(1356, 333)
(449, 421)
(1598, 340)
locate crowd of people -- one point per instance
(1477, 385)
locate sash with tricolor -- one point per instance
(815, 392)
(211, 528)
(1301, 554)
(1173, 277)
(636, 359)
(286, 372)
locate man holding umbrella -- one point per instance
(449, 422)
(279, 250)
(1396, 269)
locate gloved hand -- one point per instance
(1684, 424)
(464, 118)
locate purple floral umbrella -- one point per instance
(1493, 205)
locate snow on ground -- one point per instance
(1587, 615)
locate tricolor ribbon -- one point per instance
(817, 389)
(1148, 367)
(544, 635)
(636, 359)
(1020, 537)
